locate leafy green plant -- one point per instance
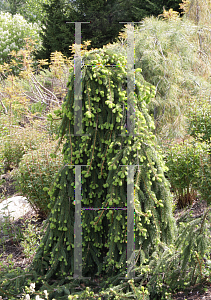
(35, 175)
(12, 154)
(30, 239)
(7, 265)
(199, 121)
(182, 264)
(4, 127)
(37, 108)
(204, 184)
(1, 161)
(141, 294)
(183, 162)
(53, 122)
(31, 290)
(199, 126)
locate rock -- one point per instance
(2, 177)
(18, 206)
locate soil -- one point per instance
(13, 247)
(7, 187)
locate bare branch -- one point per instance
(4, 107)
(45, 89)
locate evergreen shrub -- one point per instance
(167, 53)
(183, 162)
(35, 175)
(185, 263)
(104, 181)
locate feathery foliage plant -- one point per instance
(167, 52)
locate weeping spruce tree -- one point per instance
(104, 181)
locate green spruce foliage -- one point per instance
(104, 20)
(136, 11)
(105, 16)
(56, 34)
(12, 6)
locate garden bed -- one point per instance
(11, 252)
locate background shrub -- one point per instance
(12, 153)
(183, 161)
(35, 175)
(13, 30)
(199, 127)
(204, 182)
(17, 143)
(37, 108)
(199, 121)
